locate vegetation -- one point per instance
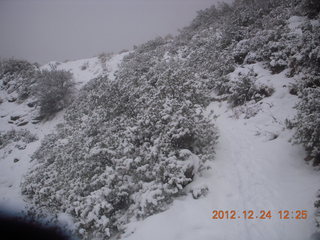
(130, 146)
(19, 76)
(53, 90)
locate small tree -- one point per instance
(54, 90)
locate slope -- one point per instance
(256, 168)
(249, 54)
(15, 157)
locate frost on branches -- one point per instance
(128, 146)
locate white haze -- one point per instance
(44, 30)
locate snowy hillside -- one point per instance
(16, 117)
(212, 134)
(255, 168)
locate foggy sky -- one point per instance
(45, 30)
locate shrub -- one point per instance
(245, 89)
(308, 118)
(128, 148)
(14, 66)
(54, 90)
(15, 136)
(310, 8)
(104, 57)
(18, 75)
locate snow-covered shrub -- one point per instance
(246, 111)
(310, 51)
(128, 146)
(104, 57)
(13, 66)
(151, 45)
(245, 89)
(221, 85)
(199, 191)
(307, 121)
(15, 136)
(310, 8)
(308, 118)
(53, 90)
(18, 76)
(241, 51)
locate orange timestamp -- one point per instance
(262, 214)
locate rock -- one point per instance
(22, 123)
(21, 146)
(31, 104)
(273, 136)
(14, 118)
(35, 121)
(15, 160)
(293, 91)
(12, 99)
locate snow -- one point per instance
(112, 65)
(251, 171)
(255, 167)
(86, 69)
(295, 23)
(11, 173)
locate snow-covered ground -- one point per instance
(14, 160)
(255, 168)
(86, 69)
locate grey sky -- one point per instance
(44, 30)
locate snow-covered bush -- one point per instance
(13, 66)
(53, 90)
(128, 146)
(310, 8)
(15, 136)
(18, 76)
(104, 57)
(307, 121)
(308, 118)
(245, 89)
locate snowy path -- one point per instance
(255, 168)
(254, 173)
